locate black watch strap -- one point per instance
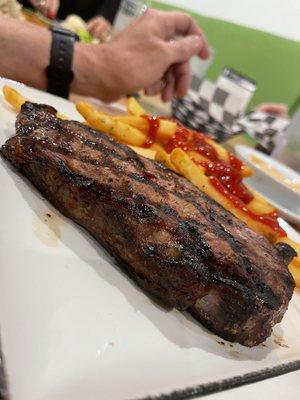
(59, 71)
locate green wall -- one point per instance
(272, 61)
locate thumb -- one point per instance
(183, 49)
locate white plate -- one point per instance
(74, 327)
(280, 196)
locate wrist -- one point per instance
(83, 61)
(94, 72)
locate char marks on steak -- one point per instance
(178, 244)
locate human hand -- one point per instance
(146, 56)
(99, 28)
(277, 109)
(48, 8)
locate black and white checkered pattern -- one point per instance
(190, 114)
(219, 104)
(211, 108)
(218, 109)
(263, 127)
(225, 99)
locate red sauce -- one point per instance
(153, 128)
(230, 178)
(235, 162)
(267, 219)
(274, 214)
(192, 141)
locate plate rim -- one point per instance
(239, 149)
(290, 215)
(205, 389)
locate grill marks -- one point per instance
(177, 243)
(147, 213)
(104, 154)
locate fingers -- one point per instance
(52, 8)
(99, 28)
(182, 75)
(156, 88)
(101, 33)
(280, 110)
(98, 22)
(182, 50)
(184, 25)
(92, 23)
(168, 91)
(48, 8)
(176, 80)
(180, 24)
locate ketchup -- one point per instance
(153, 128)
(267, 219)
(235, 162)
(192, 141)
(229, 177)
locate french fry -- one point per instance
(246, 171)
(148, 153)
(194, 155)
(134, 108)
(295, 271)
(134, 121)
(62, 116)
(224, 156)
(294, 265)
(16, 100)
(157, 147)
(259, 204)
(13, 97)
(163, 157)
(119, 130)
(165, 130)
(222, 153)
(195, 174)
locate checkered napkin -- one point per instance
(221, 103)
(191, 114)
(266, 129)
(212, 107)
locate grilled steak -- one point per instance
(176, 242)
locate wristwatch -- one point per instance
(59, 71)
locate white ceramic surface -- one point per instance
(279, 195)
(75, 327)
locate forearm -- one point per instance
(25, 53)
(24, 50)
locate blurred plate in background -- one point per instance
(279, 184)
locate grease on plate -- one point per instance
(47, 228)
(279, 341)
(234, 354)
